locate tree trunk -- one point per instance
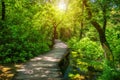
(107, 51)
(54, 34)
(3, 10)
(81, 29)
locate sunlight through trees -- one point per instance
(62, 5)
(91, 28)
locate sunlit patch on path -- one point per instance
(43, 67)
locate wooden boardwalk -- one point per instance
(43, 67)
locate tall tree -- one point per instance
(3, 10)
(82, 24)
(55, 34)
(101, 30)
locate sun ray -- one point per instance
(62, 5)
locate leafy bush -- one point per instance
(109, 73)
(20, 38)
(89, 49)
(114, 41)
(19, 45)
(85, 53)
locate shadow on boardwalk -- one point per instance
(43, 67)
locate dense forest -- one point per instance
(91, 29)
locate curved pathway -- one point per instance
(43, 67)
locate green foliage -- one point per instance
(19, 44)
(20, 38)
(109, 73)
(85, 53)
(113, 35)
(88, 48)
